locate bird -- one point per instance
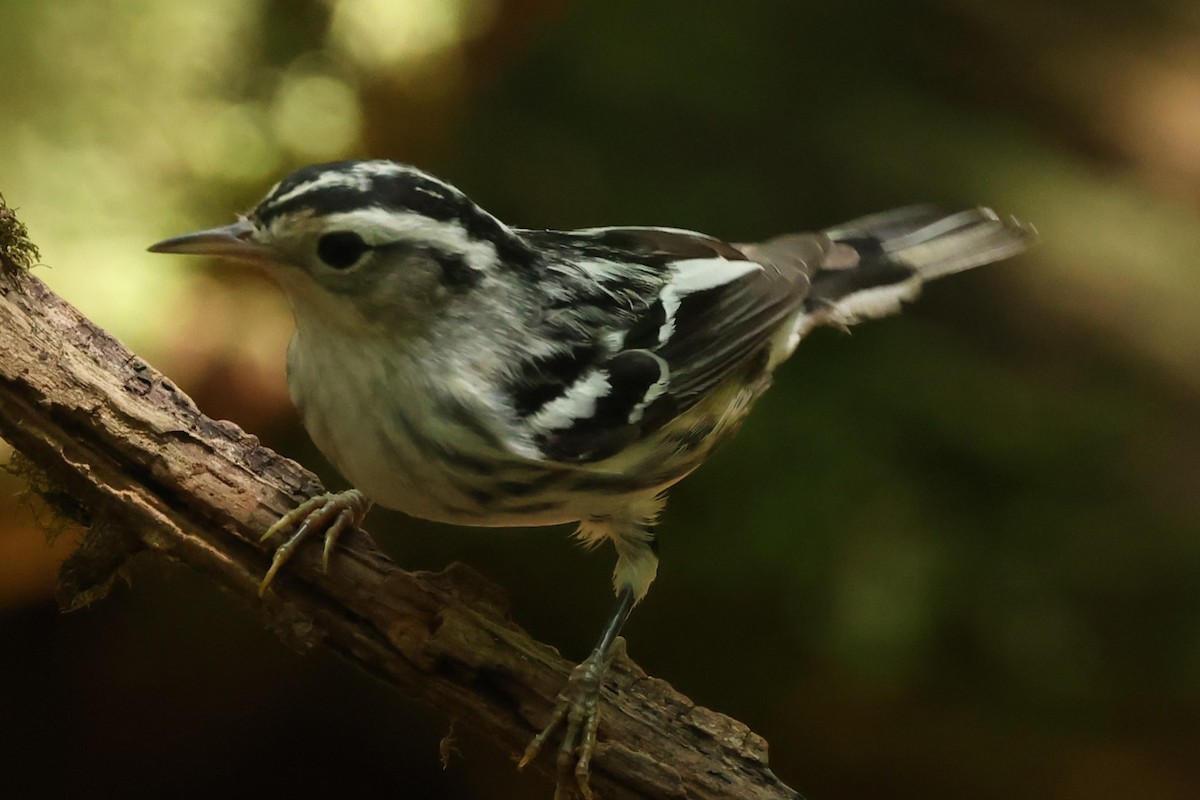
(471, 372)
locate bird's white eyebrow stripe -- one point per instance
(381, 226)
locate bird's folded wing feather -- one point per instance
(708, 308)
(711, 309)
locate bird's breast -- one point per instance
(401, 433)
(414, 433)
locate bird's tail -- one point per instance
(871, 266)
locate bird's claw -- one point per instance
(332, 513)
(577, 707)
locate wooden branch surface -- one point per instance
(148, 471)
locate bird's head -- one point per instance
(364, 243)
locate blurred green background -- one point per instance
(956, 555)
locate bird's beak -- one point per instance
(228, 241)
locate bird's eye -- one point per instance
(341, 249)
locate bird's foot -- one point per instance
(331, 513)
(578, 708)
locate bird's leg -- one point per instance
(331, 513)
(578, 705)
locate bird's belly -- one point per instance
(404, 447)
(400, 447)
(432, 479)
(393, 470)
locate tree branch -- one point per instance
(130, 455)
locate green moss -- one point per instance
(16, 251)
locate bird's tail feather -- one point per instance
(936, 243)
(874, 264)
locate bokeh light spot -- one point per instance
(235, 144)
(381, 33)
(315, 116)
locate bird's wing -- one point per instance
(709, 310)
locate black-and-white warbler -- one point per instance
(466, 371)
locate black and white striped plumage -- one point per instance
(466, 371)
